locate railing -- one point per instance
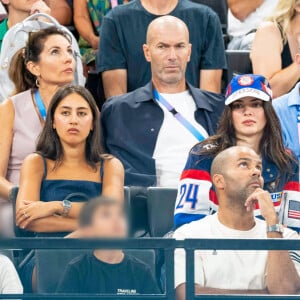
(168, 245)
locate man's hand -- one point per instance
(264, 201)
(40, 7)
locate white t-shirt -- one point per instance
(238, 28)
(9, 279)
(230, 269)
(174, 141)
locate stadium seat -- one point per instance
(13, 199)
(50, 265)
(220, 7)
(160, 206)
(94, 84)
(9, 254)
(238, 62)
(138, 219)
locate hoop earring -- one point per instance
(37, 83)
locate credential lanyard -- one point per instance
(40, 104)
(177, 115)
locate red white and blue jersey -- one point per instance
(197, 198)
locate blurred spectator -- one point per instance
(9, 278)
(144, 131)
(288, 111)
(248, 120)
(37, 71)
(68, 164)
(88, 17)
(18, 10)
(276, 45)
(61, 11)
(244, 17)
(237, 178)
(106, 271)
(121, 58)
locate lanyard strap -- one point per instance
(40, 104)
(178, 116)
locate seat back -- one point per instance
(238, 62)
(138, 217)
(13, 199)
(160, 206)
(51, 264)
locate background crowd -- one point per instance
(103, 94)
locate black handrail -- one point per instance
(168, 245)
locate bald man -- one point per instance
(236, 174)
(123, 32)
(152, 129)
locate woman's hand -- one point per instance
(40, 7)
(33, 210)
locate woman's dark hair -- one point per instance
(49, 144)
(271, 145)
(18, 71)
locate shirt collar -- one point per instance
(146, 94)
(294, 96)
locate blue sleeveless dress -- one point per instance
(56, 190)
(72, 190)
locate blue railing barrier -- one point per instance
(168, 246)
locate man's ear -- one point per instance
(190, 51)
(218, 181)
(147, 53)
(6, 2)
(33, 68)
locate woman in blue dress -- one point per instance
(68, 167)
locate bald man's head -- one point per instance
(162, 25)
(168, 51)
(236, 173)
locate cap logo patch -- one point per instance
(245, 80)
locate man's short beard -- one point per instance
(240, 196)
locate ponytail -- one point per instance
(19, 74)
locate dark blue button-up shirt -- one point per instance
(131, 123)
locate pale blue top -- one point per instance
(286, 109)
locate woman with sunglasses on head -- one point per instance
(248, 120)
(38, 70)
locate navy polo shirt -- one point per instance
(123, 33)
(131, 124)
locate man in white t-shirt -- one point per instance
(244, 17)
(236, 175)
(9, 279)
